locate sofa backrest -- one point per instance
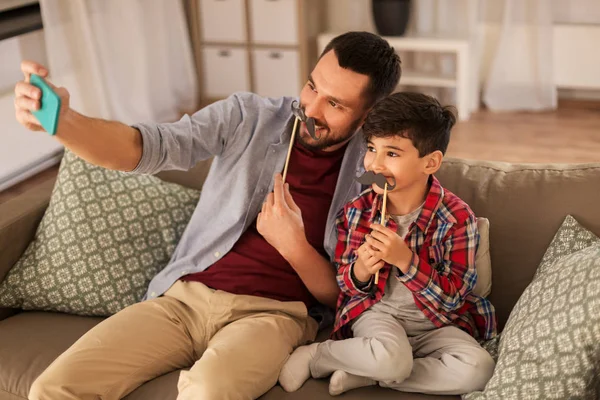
(525, 203)
(193, 178)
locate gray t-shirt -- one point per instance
(398, 299)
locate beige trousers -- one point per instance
(444, 361)
(234, 344)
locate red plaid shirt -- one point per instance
(442, 274)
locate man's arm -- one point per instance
(109, 144)
(144, 148)
(106, 143)
(316, 272)
(349, 255)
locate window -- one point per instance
(22, 153)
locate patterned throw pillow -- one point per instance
(570, 238)
(103, 237)
(550, 347)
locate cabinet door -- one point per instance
(276, 72)
(223, 21)
(225, 71)
(274, 21)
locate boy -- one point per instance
(415, 329)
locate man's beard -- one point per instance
(327, 140)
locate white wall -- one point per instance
(344, 15)
(576, 11)
(349, 15)
(22, 153)
(25, 47)
(9, 67)
(356, 14)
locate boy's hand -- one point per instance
(366, 265)
(385, 244)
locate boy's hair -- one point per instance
(414, 116)
(368, 54)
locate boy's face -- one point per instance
(396, 157)
(334, 97)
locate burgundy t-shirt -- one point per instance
(253, 266)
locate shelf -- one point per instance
(9, 4)
(18, 21)
(437, 43)
(411, 78)
(465, 81)
(421, 42)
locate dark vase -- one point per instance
(391, 16)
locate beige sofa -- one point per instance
(524, 203)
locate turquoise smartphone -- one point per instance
(49, 109)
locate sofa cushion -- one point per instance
(318, 389)
(161, 388)
(30, 341)
(526, 204)
(550, 347)
(104, 235)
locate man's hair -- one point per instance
(414, 116)
(368, 54)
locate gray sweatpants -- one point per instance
(441, 361)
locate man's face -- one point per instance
(335, 98)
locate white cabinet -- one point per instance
(225, 71)
(274, 21)
(263, 46)
(276, 72)
(223, 21)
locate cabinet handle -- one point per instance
(275, 55)
(224, 53)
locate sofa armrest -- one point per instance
(19, 218)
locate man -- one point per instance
(233, 301)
